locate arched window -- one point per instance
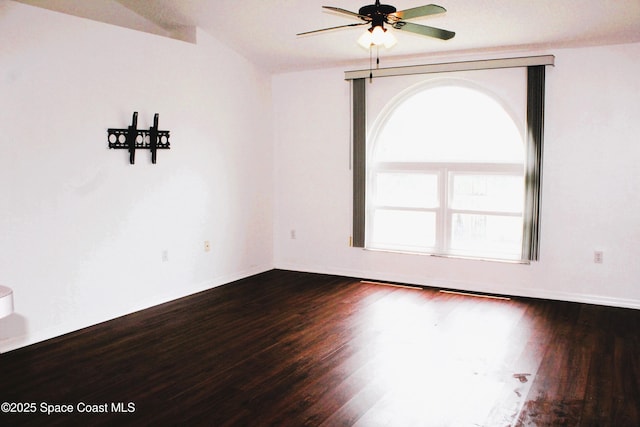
(445, 174)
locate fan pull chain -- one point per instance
(370, 65)
(371, 62)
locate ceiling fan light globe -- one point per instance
(378, 35)
(365, 40)
(389, 39)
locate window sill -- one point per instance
(450, 256)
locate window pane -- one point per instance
(447, 165)
(486, 235)
(406, 230)
(497, 193)
(450, 124)
(407, 190)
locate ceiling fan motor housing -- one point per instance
(377, 12)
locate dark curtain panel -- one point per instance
(359, 126)
(533, 165)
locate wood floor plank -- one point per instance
(288, 348)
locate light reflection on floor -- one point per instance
(431, 363)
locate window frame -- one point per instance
(536, 76)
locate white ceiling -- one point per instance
(264, 31)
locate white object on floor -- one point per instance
(6, 301)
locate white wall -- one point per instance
(590, 201)
(82, 231)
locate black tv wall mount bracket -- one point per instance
(133, 139)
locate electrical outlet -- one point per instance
(598, 257)
(207, 246)
(293, 234)
(165, 255)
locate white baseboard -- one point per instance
(471, 287)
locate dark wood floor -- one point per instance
(294, 349)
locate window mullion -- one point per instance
(444, 222)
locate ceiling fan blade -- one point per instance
(416, 12)
(331, 28)
(347, 12)
(424, 30)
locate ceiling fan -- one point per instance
(376, 15)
